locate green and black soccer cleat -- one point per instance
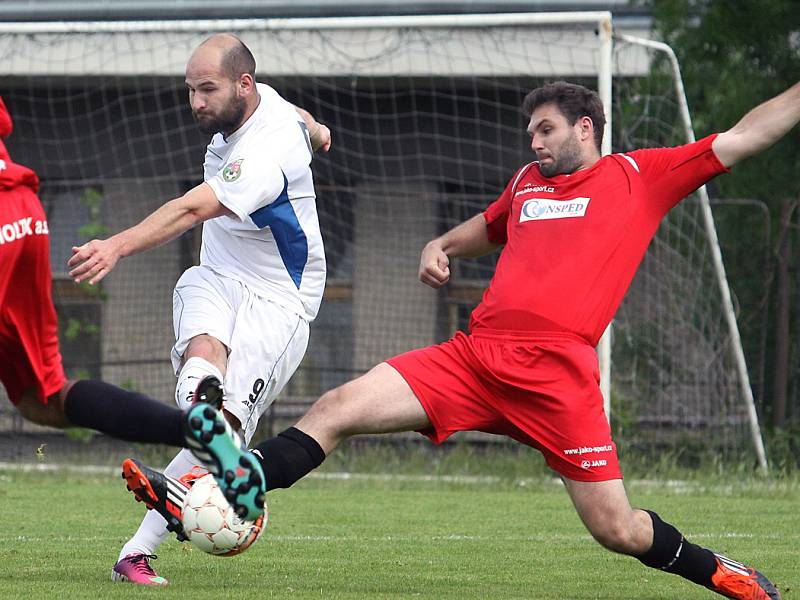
(212, 440)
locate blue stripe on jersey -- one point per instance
(280, 217)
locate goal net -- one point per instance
(679, 382)
(427, 129)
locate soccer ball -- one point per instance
(211, 524)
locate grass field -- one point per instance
(389, 537)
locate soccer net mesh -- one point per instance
(427, 130)
(674, 382)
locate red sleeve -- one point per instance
(13, 175)
(671, 174)
(5, 120)
(496, 215)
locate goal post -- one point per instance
(687, 282)
(726, 302)
(427, 130)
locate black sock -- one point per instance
(673, 553)
(288, 457)
(123, 414)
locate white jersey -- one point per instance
(261, 173)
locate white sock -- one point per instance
(153, 529)
(148, 537)
(192, 371)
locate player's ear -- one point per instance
(587, 128)
(246, 84)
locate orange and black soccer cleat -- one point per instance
(159, 492)
(734, 580)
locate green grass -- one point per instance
(388, 538)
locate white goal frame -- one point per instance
(736, 348)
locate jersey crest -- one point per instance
(232, 171)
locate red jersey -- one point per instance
(29, 353)
(573, 242)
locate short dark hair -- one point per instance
(238, 60)
(573, 100)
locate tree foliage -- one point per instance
(735, 55)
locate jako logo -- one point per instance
(541, 209)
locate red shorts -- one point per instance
(29, 354)
(541, 389)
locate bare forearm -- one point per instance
(770, 121)
(95, 259)
(165, 224)
(760, 128)
(467, 240)
(171, 220)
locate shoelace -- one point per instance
(141, 562)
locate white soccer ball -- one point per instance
(212, 525)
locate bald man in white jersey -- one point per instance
(242, 316)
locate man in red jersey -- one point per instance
(574, 227)
(30, 361)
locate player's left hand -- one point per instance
(93, 261)
(322, 138)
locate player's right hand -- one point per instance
(434, 266)
(92, 261)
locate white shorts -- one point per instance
(265, 341)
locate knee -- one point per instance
(208, 348)
(617, 535)
(329, 404)
(34, 410)
(328, 416)
(29, 410)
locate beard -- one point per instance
(568, 159)
(227, 121)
